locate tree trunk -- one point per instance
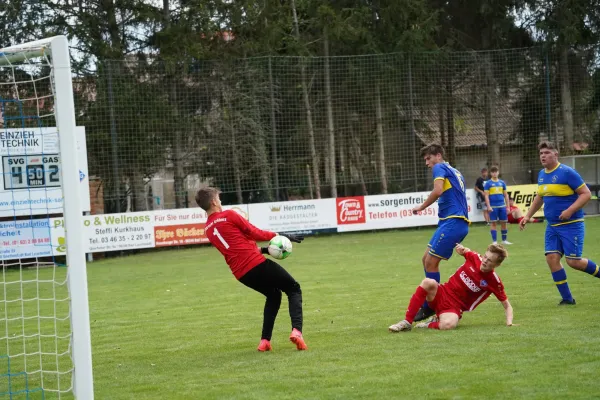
(138, 192)
(262, 155)
(330, 123)
(310, 184)
(356, 156)
(342, 157)
(116, 46)
(178, 147)
(413, 133)
(275, 160)
(451, 148)
(235, 158)
(442, 120)
(359, 169)
(309, 121)
(493, 146)
(178, 153)
(566, 106)
(380, 141)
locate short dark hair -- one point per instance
(499, 251)
(494, 169)
(484, 169)
(205, 196)
(547, 145)
(432, 150)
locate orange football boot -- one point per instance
(264, 345)
(298, 340)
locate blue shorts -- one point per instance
(448, 234)
(498, 214)
(566, 239)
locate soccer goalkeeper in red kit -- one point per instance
(236, 239)
(470, 286)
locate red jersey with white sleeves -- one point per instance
(469, 286)
(236, 239)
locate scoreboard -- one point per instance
(31, 171)
(30, 168)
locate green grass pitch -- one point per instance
(176, 325)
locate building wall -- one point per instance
(96, 196)
(512, 167)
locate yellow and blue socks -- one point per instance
(592, 269)
(504, 234)
(560, 279)
(494, 235)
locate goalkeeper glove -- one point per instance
(264, 250)
(294, 238)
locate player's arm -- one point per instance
(508, 312)
(438, 189)
(487, 200)
(506, 199)
(583, 196)
(536, 204)
(498, 289)
(461, 250)
(486, 195)
(250, 230)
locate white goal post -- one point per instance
(52, 55)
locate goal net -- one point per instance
(45, 350)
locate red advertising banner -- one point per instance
(179, 235)
(351, 210)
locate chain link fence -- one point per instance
(280, 128)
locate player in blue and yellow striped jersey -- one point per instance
(563, 193)
(496, 200)
(453, 212)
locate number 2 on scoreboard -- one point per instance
(217, 234)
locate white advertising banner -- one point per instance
(30, 176)
(303, 216)
(162, 228)
(26, 239)
(110, 232)
(383, 212)
(475, 211)
(391, 211)
(140, 230)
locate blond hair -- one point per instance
(499, 250)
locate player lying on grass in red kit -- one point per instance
(470, 286)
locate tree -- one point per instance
(486, 26)
(308, 109)
(565, 26)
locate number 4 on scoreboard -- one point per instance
(31, 171)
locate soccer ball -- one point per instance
(280, 247)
